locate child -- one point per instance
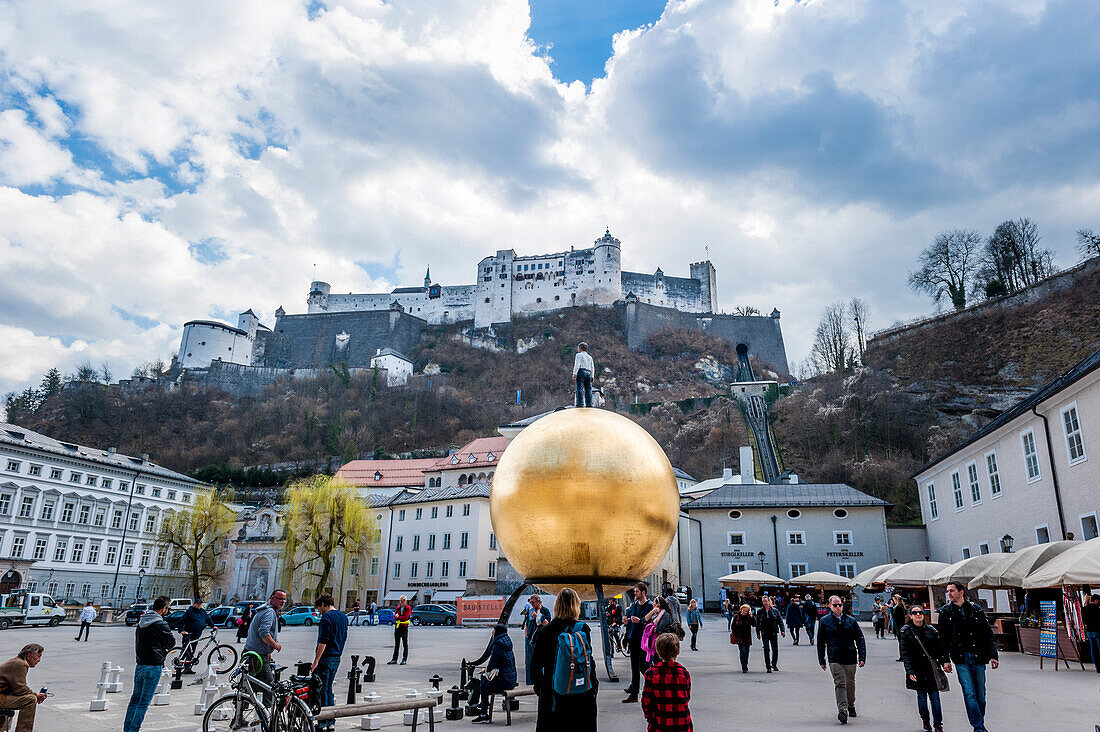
(667, 690)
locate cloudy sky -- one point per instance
(161, 162)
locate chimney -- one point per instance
(794, 479)
(112, 450)
(144, 457)
(727, 473)
(747, 472)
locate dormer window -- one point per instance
(473, 458)
(490, 457)
(377, 475)
(454, 460)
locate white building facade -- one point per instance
(87, 518)
(1026, 475)
(398, 367)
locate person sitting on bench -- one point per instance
(499, 674)
(14, 692)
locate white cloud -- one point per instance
(174, 161)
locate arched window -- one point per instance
(462, 479)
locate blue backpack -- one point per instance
(573, 666)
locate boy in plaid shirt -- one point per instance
(667, 690)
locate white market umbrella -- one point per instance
(750, 577)
(968, 568)
(820, 579)
(870, 576)
(912, 574)
(1078, 565)
(1010, 571)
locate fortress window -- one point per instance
(203, 343)
(557, 297)
(538, 299)
(486, 299)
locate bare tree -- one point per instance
(745, 310)
(1013, 259)
(105, 372)
(857, 316)
(1088, 243)
(832, 348)
(947, 266)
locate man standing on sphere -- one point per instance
(840, 636)
(402, 616)
(583, 368)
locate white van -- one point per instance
(178, 603)
(36, 608)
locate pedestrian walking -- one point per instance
(809, 616)
(499, 675)
(794, 619)
(355, 612)
(923, 654)
(152, 641)
(727, 610)
(1090, 615)
(332, 634)
(769, 626)
(635, 627)
(243, 621)
(667, 690)
(562, 646)
(372, 611)
(402, 618)
(87, 615)
(263, 636)
(878, 618)
(583, 368)
(839, 637)
(14, 691)
(741, 631)
(897, 620)
(970, 645)
(535, 616)
(695, 622)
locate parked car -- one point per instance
(134, 613)
(175, 620)
(384, 616)
(179, 603)
(433, 615)
(301, 615)
(225, 616)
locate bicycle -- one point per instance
(222, 657)
(615, 632)
(243, 709)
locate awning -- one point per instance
(394, 596)
(446, 595)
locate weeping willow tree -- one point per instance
(194, 539)
(327, 526)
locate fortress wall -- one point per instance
(674, 292)
(761, 334)
(311, 340)
(241, 380)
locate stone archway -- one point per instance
(10, 581)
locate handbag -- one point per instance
(937, 672)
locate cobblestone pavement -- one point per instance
(1021, 697)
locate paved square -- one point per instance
(1021, 697)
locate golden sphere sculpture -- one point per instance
(584, 496)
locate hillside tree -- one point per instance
(857, 317)
(194, 538)
(745, 310)
(948, 266)
(327, 525)
(832, 346)
(1088, 243)
(1013, 259)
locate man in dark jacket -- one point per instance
(1090, 614)
(839, 635)
(970, 644)
(152, 641)
(769, 625)
(332, 634)
(809, 616)
(499, 675)
(195, 620)
(635, 626)
(794, 619)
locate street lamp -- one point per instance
(141, 578)
(1006, 543)
(760, 556)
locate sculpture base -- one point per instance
(584, 586)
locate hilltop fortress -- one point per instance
(352, 328)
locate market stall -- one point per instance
(1063, 579)
(916, 579)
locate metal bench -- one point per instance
(378, 707)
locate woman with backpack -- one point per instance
(564, 671)
(923, 654)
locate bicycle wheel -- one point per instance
(171, 659)
(293, 716)
(231, 713)
(222, 658)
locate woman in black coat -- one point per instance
(919, 672)
(576, 713)
(500, 672)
